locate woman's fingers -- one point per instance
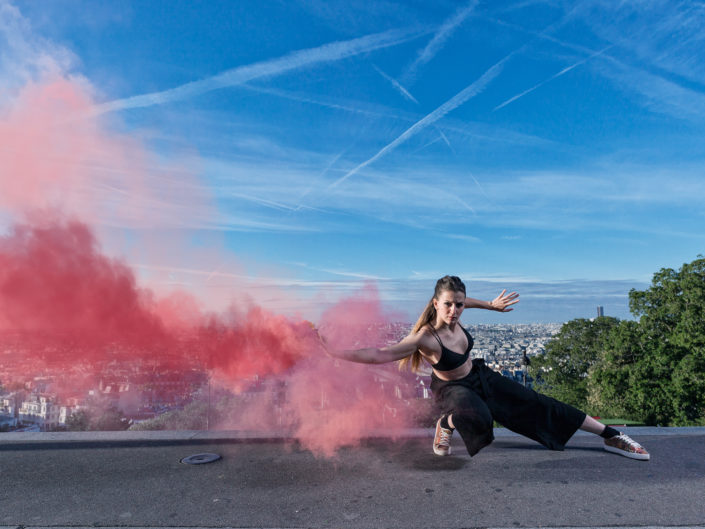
(504, 300)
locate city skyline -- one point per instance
(44, 399)
(290, 154)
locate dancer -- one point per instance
(471, 395)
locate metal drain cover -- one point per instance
(200, 459)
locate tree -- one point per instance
(192, 417)
(628, 381)
(653, 369)
(78, 421)
(562, 372)
(111, 419)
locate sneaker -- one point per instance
(441, 442)
(625, 446)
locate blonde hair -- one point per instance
(451, 283)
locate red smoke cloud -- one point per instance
(256, 343)
(53, 279)
(327, 402)
(55, 154)
(358, 321)
(56, 285)
(77, 305)
(340, 403)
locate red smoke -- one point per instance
(256, 343)
(56, 285)
(330, 402)
(73, 304)
(54, 280)
(340, 403)
(54, 156)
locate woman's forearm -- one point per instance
(376, 355)
(472, 303)
(367, 355)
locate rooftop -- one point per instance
(137, 479)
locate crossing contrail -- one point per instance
(467, 93)
(396, 84)
(330, 52)
(563, 71)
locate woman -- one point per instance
(470, 395)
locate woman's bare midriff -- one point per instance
(455, 374)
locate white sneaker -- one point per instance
(441, 442)
(625, 446)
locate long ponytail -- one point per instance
(452, 283)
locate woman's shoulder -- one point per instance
(426, 337)
(426, 330)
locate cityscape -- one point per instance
(41, 395)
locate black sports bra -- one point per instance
(450, 359)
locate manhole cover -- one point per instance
(199, 459)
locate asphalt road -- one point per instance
(513, 483)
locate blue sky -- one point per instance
(556, 148)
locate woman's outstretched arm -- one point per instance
(501, 303)
(377, 355)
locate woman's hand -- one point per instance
(322, 341)
(502, 302)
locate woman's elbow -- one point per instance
(376, 356)
(385, 357)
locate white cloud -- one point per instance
(24, 56)
(656, 92)
(462, 237)
(409, 195)
(664, 34)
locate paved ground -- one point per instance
(137, 480)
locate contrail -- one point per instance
(212, 274)
(330, 52)
(303, 98)
(480, 187)
(467, 93)
(445, 139)
(323, 174)
(396, 84)
(438, 40)
(563, 71)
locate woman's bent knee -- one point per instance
(472, 421)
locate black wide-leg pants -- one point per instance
(484, 395)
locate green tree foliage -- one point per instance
(651, 370)
(654, 369)
(562, 372)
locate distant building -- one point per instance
(423, 390)
(43, 411)
(39, 409)
(7, 422)
(8, 411)
(600, 311)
